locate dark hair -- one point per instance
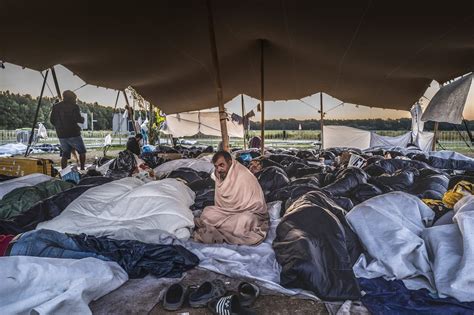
(133, 146)
(69, 95)
(226, 155)
(139, 136)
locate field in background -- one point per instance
(450, 140)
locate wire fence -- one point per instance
(449, 140)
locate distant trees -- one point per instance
(17, 111)
(366, 124)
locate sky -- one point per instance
(26, 81)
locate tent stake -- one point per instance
(322, 119)
(262, 96)
(215, 64)
(243, 120)
(435, 136)
(36, 114)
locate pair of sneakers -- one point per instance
(211, 294)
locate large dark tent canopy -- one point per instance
(375, 53)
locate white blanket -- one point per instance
(33, 285)
(127, 208)
(452, 249)
(199, 165)
(390, 227)
(24, 181)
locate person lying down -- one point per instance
(240, 214)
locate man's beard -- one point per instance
(222, 175)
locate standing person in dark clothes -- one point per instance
(133, 144)
(65, 117)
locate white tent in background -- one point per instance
(192, 123)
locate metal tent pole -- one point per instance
(262, 96)
(435, 136)
(56, 84)
(215, 64)
(36, 114)
(243, 120)
(322, 119)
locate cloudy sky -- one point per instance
(26, 81)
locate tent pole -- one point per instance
(150, 122)
(36, 114)
(322, 119)
(435, 136)
(243, 120)
(215, 64)
(262, 96)
(130, 112)
(56, 84)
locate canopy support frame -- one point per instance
(218, 82)
(262, 96)
(243, 120)
(435, 136)
(35, 120)
(322, 119)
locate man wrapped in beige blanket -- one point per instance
(239, 215)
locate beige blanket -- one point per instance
(240, 213)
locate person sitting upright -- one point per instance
(134, 144)
(240, 214)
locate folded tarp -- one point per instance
(129, 209)
(390, 228)
(32, 285)
(199, 165)
(24, 181)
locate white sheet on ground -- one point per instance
(451, 247)
(251, 262)
(199, 165)
(390, 227)
(24, 181)
(11, 149)
(126, 208)
(34, 285)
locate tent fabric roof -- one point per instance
(374, 53)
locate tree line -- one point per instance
(18, 111)
(365, 124)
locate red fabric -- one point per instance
(4, 242)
